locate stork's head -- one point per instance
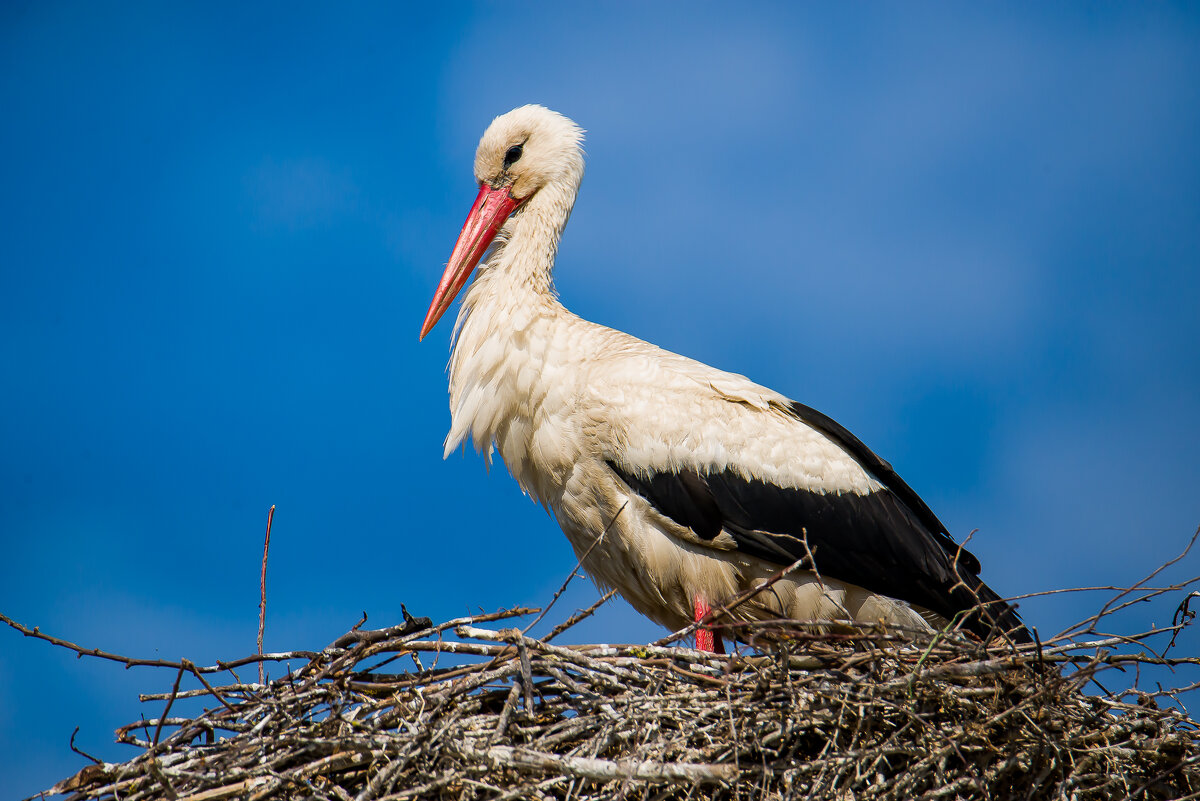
(521, 154)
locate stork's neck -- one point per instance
(521, 263)
(505, 326)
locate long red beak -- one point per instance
(492, 207)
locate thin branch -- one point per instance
(130, 661)
(167, 710)
(262, 592)
(575, 571)
(1087, 625)
(582, 614)
(525, 759)
(81, 752)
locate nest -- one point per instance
(470, 709)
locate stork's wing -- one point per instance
(886, 540)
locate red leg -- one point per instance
(706, 639)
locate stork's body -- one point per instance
(682, 484)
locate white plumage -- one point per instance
(701, 481)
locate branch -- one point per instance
(262, 593)
(526, 759)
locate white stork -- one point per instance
(698, 484)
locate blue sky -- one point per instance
(971, 234)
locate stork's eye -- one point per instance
(513, 155)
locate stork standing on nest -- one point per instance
(678, 484)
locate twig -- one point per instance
(167, 710)
(1088, 624)
(603, 769)
(80, 752)
(1182, 618)
(262, 593)
(211, 690)
(578, 616)
(130, 661)
(575, 571)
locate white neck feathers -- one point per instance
(504, 328)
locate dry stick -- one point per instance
(130, 661)
(80, 752)
(156, 772)
(583, 614)
(1062, 590)
(170, 702)
(372, 636)
(1148, 595)
(396, 638)
(262, 592)
(1182, 618)
(212, 690)
(575, 572)
(36, 633)
(1088, 625)
(527, 759)
(1070, 638)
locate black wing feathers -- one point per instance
(882, 470)
(868, 540)
(888, 541)
(685, 494)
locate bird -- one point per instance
(684, 487)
